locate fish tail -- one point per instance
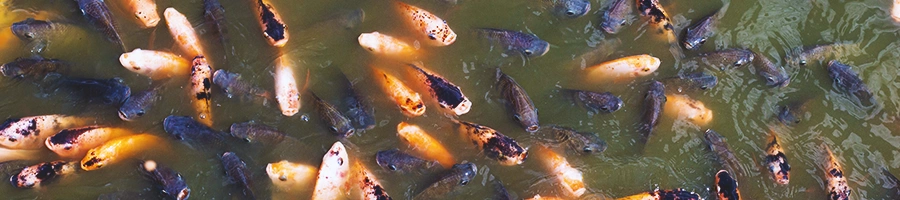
(15, 154)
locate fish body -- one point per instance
(287, 94)
(694, 81)
(99, 15)
(238, 172)
(518, 101)
(139, 104)
(109, 91)
(894, 189)
(580, 142)
(192, 132)
(895, 10)
(214, 12)
(155, 64)
(359, 109)
(459, 175)
(777, 162)
(31, 29)
(42, 173)
(527, 44)
(144, 12)
(201, 83)
(288, 176)
(408, 100)
(567, 176)
(605, 102)
(382, 44)
(75, 142)
(655, 11)
(835, 182)
(370, 188)
(724, 155)
(448, 95)
(331, 182)
(433, 29)
(728, 59)
(234, 85)
(183, 32)
(336, 121)
(494, 144)
(169, 181)
(571, 8)
(683, 107)
(424, 145)
(33, 68)
(274, 29)
(726, 186)
(697, 34)
(654, 101)
(677, 194)
(257, 132)
(774, 75)
(816, 53)
(624, 69)
(119, 149)
(30, 132)
(395, 160)
(846, 79)
(790, 114)
(616, 16)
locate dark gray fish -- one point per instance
(697, 34)
(727, 59)
(494, 144)
(727, 186)
(350, 19)
(187, 129)
(40, 174)
(34, 67)
(791, 113)
(893, 184)
(774, 75)
(337, 123)
(616, 16)
(234, 85)
(724, 155)
(527, 44)
(238, 172)
(693, 81)
(500, 192)
(37, 30)
(257, 132)
(460, 175)
(395, 160)
(358, 108)
(580, 142)
(571, 8)
(110, 91)
(847, 80)
(99, 15)
(214, 12)
(448, 95)
(818, 53)
(518, 101)
(139, 104)
(170, 182)
(604, 102)
(653, 103)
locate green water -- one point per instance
(674, 157)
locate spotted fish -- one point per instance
(727, 186)
(677, 194)
(30, 132)
(43, 173)
(75, 142)
(287, 94)
(120, 149)
(518, 101)
(170, 182)
(144, 12)
(835, 182)
(408, 100)
(274, 29)
(334, 174)
(369, 185)
(494, 144)
(448, 95)
(777, 162)
(201, 83)
(428, 26)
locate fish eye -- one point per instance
(528, 52)
(431, 36)
(29, 35)
(702, 40)
(570, 13)
(392, 167)
(622, 22)
(703, 87)
(334, 129)
(770, 79)
(464, 182)
(645, 69)
(140, 113)
(587, 149)
(604, 107)
(803, 62)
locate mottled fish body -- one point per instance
(580, 142)
(408, 100)
(336, 122)
(237, 171)
(448, 95)
(835, 181)
(41, 174)
(616, 16)
(728, 59)
(494, 144)
(144, 12)
(287, 94)
(120, 149)
(139, 104)
(777, 163)
(684, 107)
(332, 180)
(273, 28)
(848, 80)
(33, 68)
(653, 102)
(99, 15)
(257, 133)
(30, 132)
(727, 186)
(75, 142)
(368, 184)
(698, 33)
(427, 26)
(234, 85)
(605, 102)
(201, 84)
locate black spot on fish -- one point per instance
(273, 28)
(92, 162)
(207, 84)
(69, 136)
(203, 95)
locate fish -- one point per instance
(387, 45)
(31, 29)
(35, 176)
(448, 95)
(201, 82)
(568, 177)
(99, 15)
(350, 19)
(892, 183)
(677, 194)
(500, 192)
(539, 197)
(895, 11)
(459, 175)
(570, 8)
(274, 29)
(777, 162)
(237, 171)
(288, 176)
(518, 102)
(653, 103)
(183, 33)
(835, 182)
(494, 144)
(192, 132)
(368, 184)
(580, 142)
(727, 59)
(331, 181)
(257, 133)
(119, 149)
(359, 110)
(657, 14)
(774, 75)
(683, 107)
(7, 154)
(144, 12)
(155, 64)
(408, 100)
(528, 45)
(848, 80)
(424, 145)
(605, 102)
(427, 26)
(397, 161)
(698, 33)
(139, 104)
(31, 131)
(33, 67)
(724, 154)
(790, 114)
(623, 69)
(167, 180)
(615, 16)
(336, 122)
(106, 91)
(286, 92)
(75, 142)
(693, 81)
(214, 13)
(234, 85)
(802, 56)
(726, 186)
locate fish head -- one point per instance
(117, 93)
(536, 49)
(131, 110)
(30, 29)
(573, 8)
(612, 25)
(693, 42)
(589, 147)
(704, 81)
(466, 172)
(743, 58)
(395, 160)
(648, 65)
(775, 76)
(14, 132)
(726, 186)
(12, 70)
(787, 116)
(352, 19)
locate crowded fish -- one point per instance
(40, 174)
(518, 102)
(409, 101)
(201, 83)
(169, 181)
(139, 104)
(457, 177)
(429, 27)
(494, 144)
(120, 149)
(526, 44)
(447, 94)
(75, 142)
(424, 145)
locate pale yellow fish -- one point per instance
(429, 27)
(200, 91)
(155, 64)
(274, 29)
(683, 107)
(424, 145)
(569, 178)
(895, 11)
(623, 69)
(75, 142)
(286, 92)
(409, 101)
(18, 154)
(382, 44)
(836, 182)
(184, 33)
(331, 183)
(144, 12)
(370, 188)
(289, 177)
(30, 132)
(120, 149)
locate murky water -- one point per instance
(674, 157)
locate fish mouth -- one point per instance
(532, 128)
(124, 116)
(608, 29)
(689, 46)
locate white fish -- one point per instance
(286, 92)
(184, 33)
(155, 64)
(624, 69)
(30, 132)
(333, 174)
(288, 176)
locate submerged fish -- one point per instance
(684, 107)
(518, 101)
(724, 155)
(494, 144)
(273, 27)
(527, 44)
(424, 145)
(409, 101)
(727, 186)
(774, 75)
(835, 182)
(201, 83)
(257, 132)
(237, 171)
(395, 160)
(75, 142)
(359, 110)
(287, 94)
(183, 33)
(803, 56)
(336, 121)
(110, 91)
(214, 12)
(155, 64)
(448, 95)
(30, 132)
(38, 30)
(791, 113)
(99, 15)
(580, 142)
(288, 176)
(120, 149)
(777, 162)
(656, 13)
(847, 80)
(677, 194)
(894, 189)
(727, 59)
(653, 102)
(331, 182)
(139, 104)
(378, 43)
(170, 182)
(605, 102)
(369, 186)
(427, 25)
(623, 69)
(459, 175)
(40, 174)
(697, 34)
(34, 67)
(616, 16)
(693, 81)
(234, 85)
(568, 177)
(144, 12)
(570, 8)
(192, 132)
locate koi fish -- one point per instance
(424, 145)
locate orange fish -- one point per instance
(333, 174)
(427, 25)
(409, 101)
(120, 149)
(569, 177)
(184, 33)
(426, 146)
(836, 183)
(623, 69)
(683, 107)
(288, 176)
(370, 188)
(30, 132)
(201, 82)
(75, 142)
(144, 12)
(155, 64)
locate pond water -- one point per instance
(675, 156)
